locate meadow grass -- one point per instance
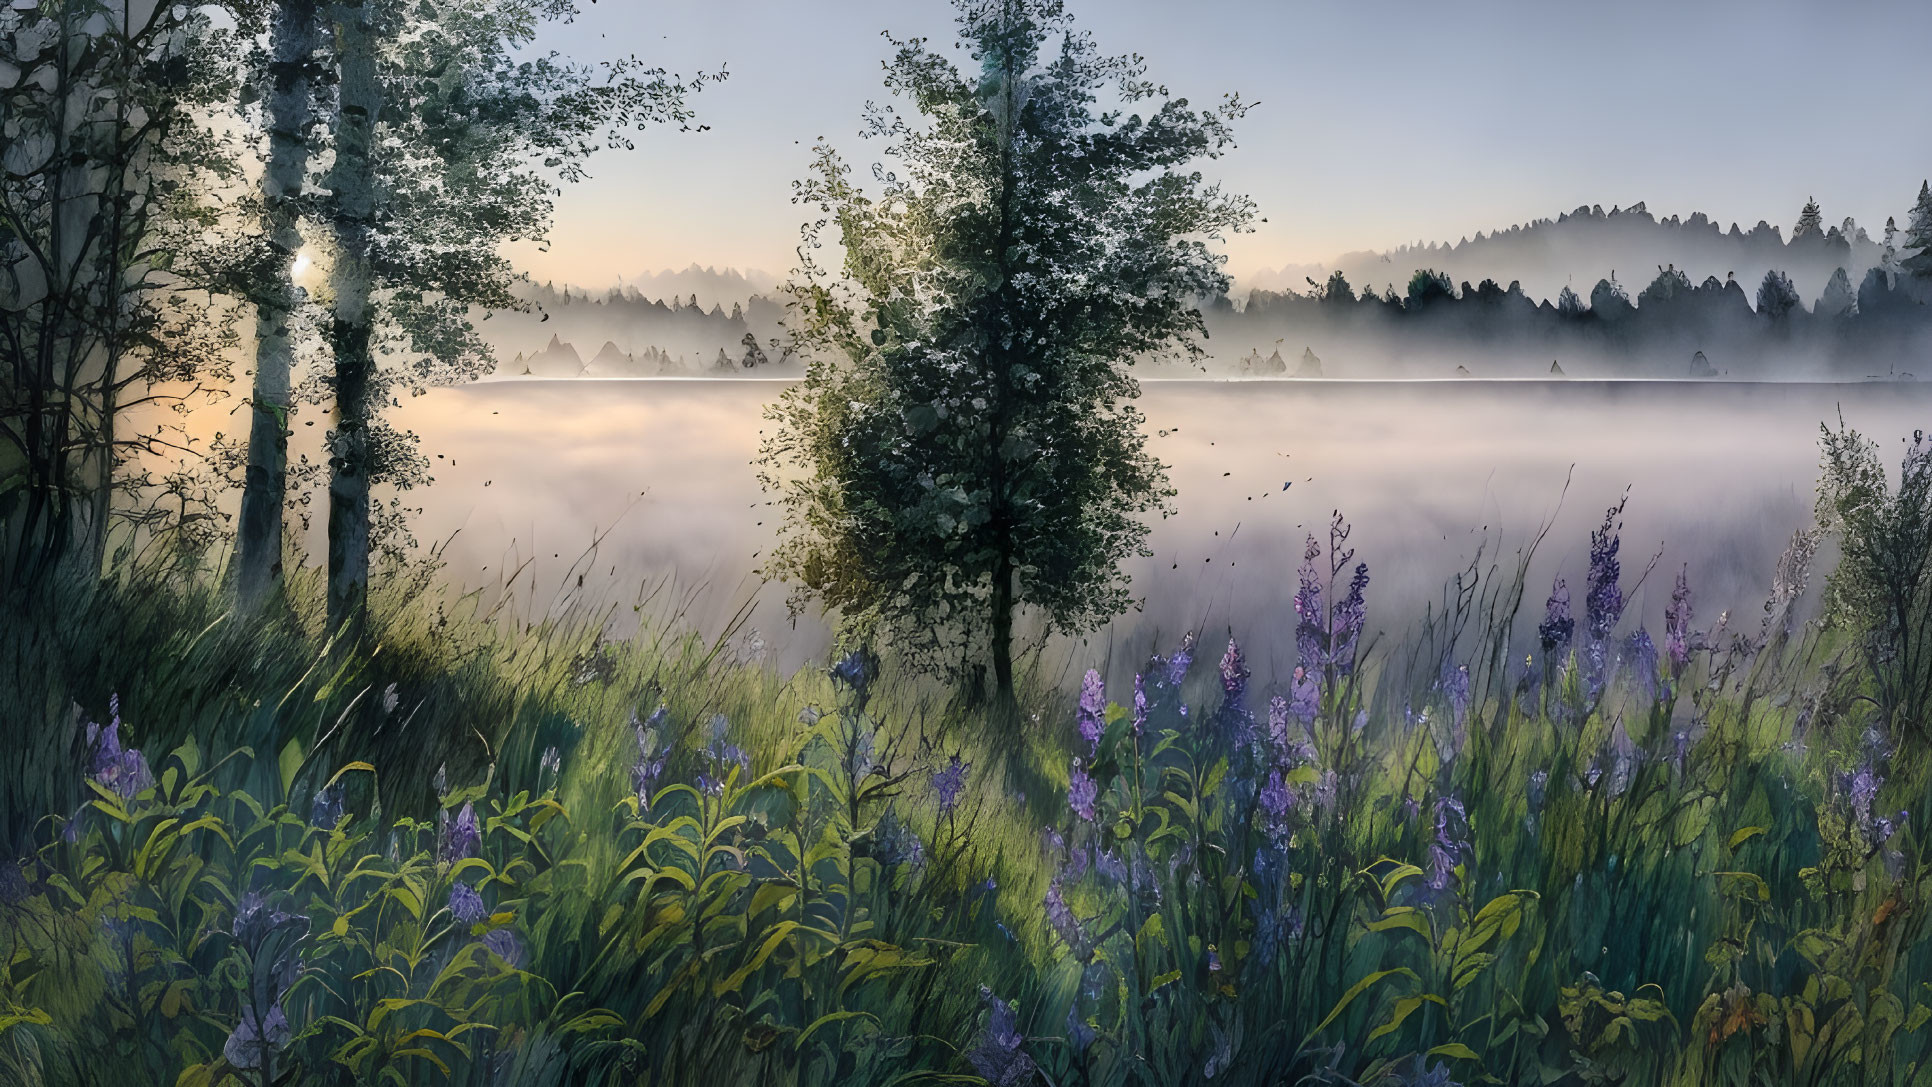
(503, 848)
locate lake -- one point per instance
(657, 474)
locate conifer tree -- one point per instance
(1918, 236)
(1810, 221)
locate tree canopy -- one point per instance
(965, 441)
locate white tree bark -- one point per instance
(289, 116)
(353, 181)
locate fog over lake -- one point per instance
(1719, 476)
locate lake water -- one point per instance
(1719, 476)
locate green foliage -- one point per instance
(1882, 585)
(964, 440)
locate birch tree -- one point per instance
(447, 142)
(291, 81)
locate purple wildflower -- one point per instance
(949, 783)
(856, 670)
(1328, 790)
(1424, 1076)
(1080, 1034)
(1641, 654)
(1304, 696)
(1347, 621)
(461, 839)
(1861, 792)
(1677, 620)
(1077, 863)
(1621, 753)
(1081, 792)
(1065, 925)
(1234, 674)
(998, 1056)
(1237, 722)
(1110, 865)
(1275, 800)
(1093, 709)
(123, 770)
(1140, 705)
(720, 757)
(254, 921)
(1603, 601)
(466, 905)
(651, 756)
(1181, 661)
(1451, 842)
(326, 810)
(503, 943)
(1557, 627)
(896, 844)
(1312, 628)
(1455, 691)
(249, 1045)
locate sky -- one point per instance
(1378, 123)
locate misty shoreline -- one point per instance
(1579, 382)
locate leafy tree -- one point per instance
(1777, 297)
(965, 443)
(446, 145)
(291, 77)
(109, 261)
(1810, 221)
(1882, 586)
(1918, 236)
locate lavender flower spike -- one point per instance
(1557, 627)
(1677, 620)
(999, 1055)
(1093, 710)
(1081, 792)
(461, 838)
(465, 905)
(949, 783)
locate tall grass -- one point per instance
(1522, 845)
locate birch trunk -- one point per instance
(289, 115)
(353, 182)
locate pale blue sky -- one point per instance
(1379, 123)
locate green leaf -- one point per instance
(828, 1020)
(1403, 917)
(290, 763)
(1358, 989)
(731, 982)
(1455, 1051)
(1746, 834)
(1403, 1009)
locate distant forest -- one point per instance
(1590, 293)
